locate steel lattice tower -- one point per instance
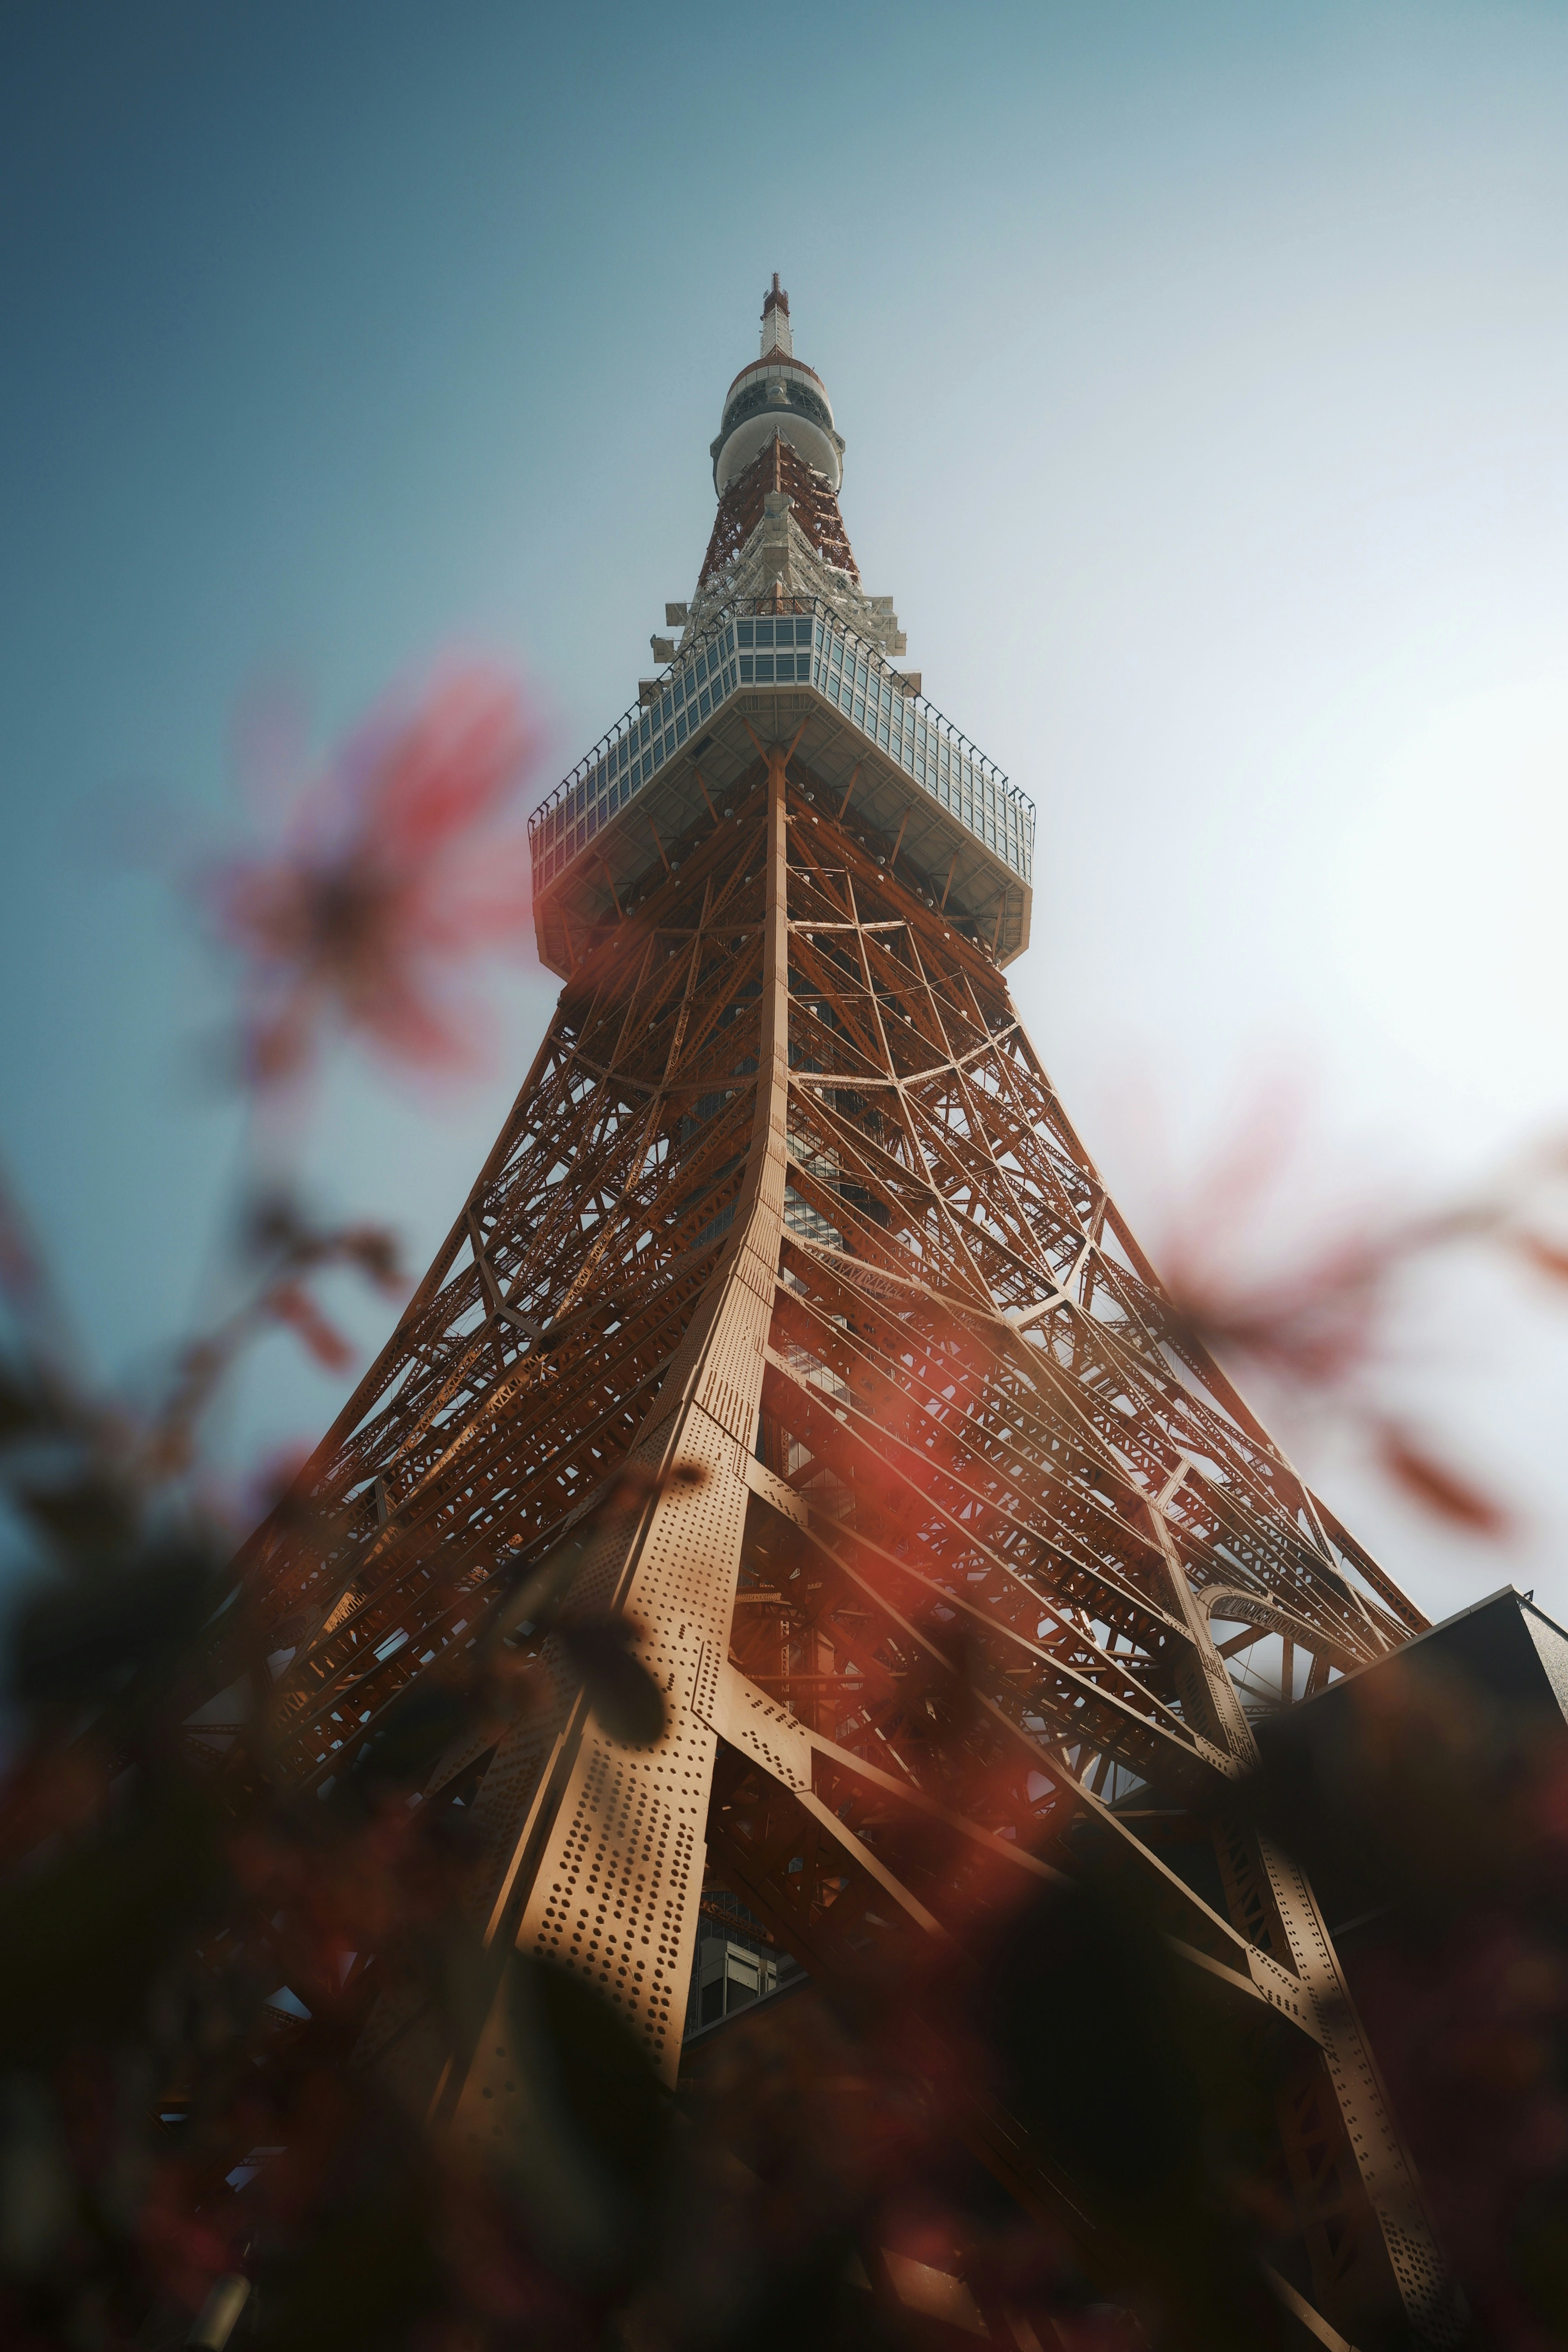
(787, 1194)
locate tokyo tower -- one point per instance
(986, 1558)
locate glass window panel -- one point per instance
(746, 664)
(764, 633)
(764, 667)
(748, 633)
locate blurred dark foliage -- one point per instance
(191, 1955)
(189, 1951)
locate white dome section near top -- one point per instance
(777, 393)
(806, 437)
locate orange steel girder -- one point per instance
(788, 1195)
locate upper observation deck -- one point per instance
(781, 643)
(958, 833)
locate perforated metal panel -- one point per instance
(615, 1895)
(760, 1727)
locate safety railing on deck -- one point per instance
(805, 643)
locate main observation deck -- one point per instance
(942, 816)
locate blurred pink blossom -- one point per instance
(400, 864)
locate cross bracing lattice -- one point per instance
(788, 1188)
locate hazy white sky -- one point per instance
(1203, 373)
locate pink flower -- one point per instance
(398, 869)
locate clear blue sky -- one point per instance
(1203, 372)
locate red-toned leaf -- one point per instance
(375, 1251)
(1438, 1487)
(1547, 1257)
(460, 754)
(291, 1304)
(399, 869)
(621, 1691)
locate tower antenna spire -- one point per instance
(776, 321)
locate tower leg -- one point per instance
(607, 1879)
